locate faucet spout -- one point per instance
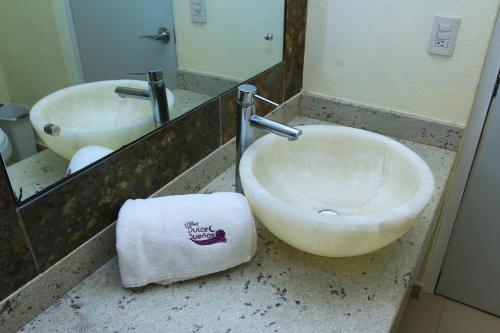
(274, 127)
(128, 92)
(248, 121)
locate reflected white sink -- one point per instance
(92, 114)
(337, 191)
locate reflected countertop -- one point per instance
(186, 100)
(36, 172)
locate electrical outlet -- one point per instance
(443, 36)
(442, 43)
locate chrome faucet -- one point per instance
(248, 121)
(157, 94)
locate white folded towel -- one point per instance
(168, 239)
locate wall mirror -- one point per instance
(61, 62)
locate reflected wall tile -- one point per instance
(269, 85)
(16, 262)
(295, 39)
(67, 216)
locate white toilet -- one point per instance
(5, 147)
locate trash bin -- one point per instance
(15, 122)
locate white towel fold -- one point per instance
(168, 239)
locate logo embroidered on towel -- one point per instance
(204, 235)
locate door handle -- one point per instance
(163, 35)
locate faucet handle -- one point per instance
(154, 74)
(263, 99)
(248, 92)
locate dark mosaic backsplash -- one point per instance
(228, 116)
(16, 262)
(295, 43)
(67, 215)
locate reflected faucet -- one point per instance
(157, 94)
(248, 121)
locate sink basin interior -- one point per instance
(345, 174)
(96, 106)
(337, 191)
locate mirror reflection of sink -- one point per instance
(92, 114)
(337, 191)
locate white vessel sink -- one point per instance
(92, 114)
(336, 191)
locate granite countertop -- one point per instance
(281, 290)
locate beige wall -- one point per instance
(231, 44)
(375, 52)
(33, 58)
(4, 93)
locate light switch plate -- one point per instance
(199, 11)
(443, 36)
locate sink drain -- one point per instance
(327, 212)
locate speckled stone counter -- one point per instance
(281, 290)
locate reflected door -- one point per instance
(108, 36)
